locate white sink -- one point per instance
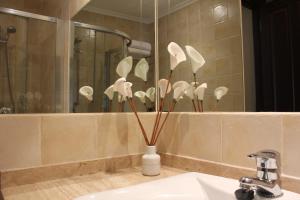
(188, 186)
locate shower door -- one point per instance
(27, 64)
(95, 56)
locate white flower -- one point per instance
(162, 85)
(124, 67)
(119, 86)
(197, 59)
(87, 92)
(177, 55)
(190, 92)
(142, 69)
(150, 94)
(220, 92)
(178, 93)
(109, 92)
(123, 88)
(141, 95)
(182, 84)
(128, 89)
(200, 91)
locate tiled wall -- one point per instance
(214, 29)
(37, 140)
(229, 137)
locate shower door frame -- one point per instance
(27, 15)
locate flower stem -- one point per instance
(132, 105)
(160, 129)
(159, 112)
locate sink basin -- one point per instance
(188, 186)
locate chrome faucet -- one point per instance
(267, 182)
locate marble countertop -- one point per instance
(70, 188)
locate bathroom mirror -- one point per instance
(105, 33)
(212, 30)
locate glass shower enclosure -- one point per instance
(28, 63)
(96, 52)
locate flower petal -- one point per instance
(142, 69)
(124, 67)
(150, 94)
(177, 55)
(220, 92)
(141, 95)
(200, 91)
(162, 85)
(119, 86)
(109, 92)
(87, 92)
(197, 59)
(178, 93)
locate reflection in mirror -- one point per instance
(271, 33)
(113, 39)
(210, 34)
(29, 73)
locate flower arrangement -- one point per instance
(193, 91)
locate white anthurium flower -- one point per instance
(87, 92)
(119, 86)
(190, 92)
(162, 85)
(200, 91)
(220, 92)
(150, 94)
(141, 95)
(177, 55)
(196, 58)
(109, 92)
(128, 89)
(182, 84)
(141, 69)
(124, 66)
(178, 93)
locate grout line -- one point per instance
(221, 152)
(41, 119)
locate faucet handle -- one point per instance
(267, 159)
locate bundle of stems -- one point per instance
(158, 126)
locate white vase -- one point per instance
(151, 162)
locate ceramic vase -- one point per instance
(151, 162)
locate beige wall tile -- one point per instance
(68, 138)
(193, 135)
(245, 134)
(20, 144)
(119, 134)
(291, 147)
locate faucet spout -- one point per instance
(267, 188)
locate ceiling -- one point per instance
(136, 10)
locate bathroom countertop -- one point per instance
(70, 188)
